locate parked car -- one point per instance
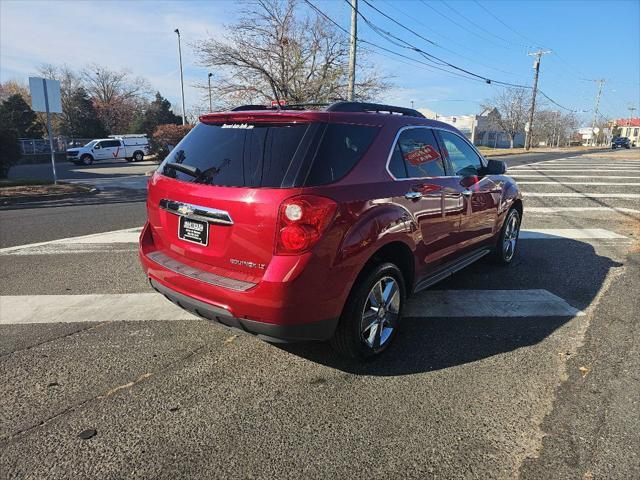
(318, 225)
(133, 148)
(620, 142)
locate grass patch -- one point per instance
(23, 181)
(13, 190)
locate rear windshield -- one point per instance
(268, 155)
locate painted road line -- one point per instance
(617, 177)
(26, 309)
(582, 195)
(535, 210)
(128, 235)
(583, 170)
(36, 309)
(628, 184)
(489, 303)
(569, 234)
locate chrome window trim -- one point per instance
(205, 214)
(409, 127)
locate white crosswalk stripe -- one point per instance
(614, 184)
(617, 177)
(34, 309)
(568, 233)
(581, 195)
(127, 240)
(545, 210)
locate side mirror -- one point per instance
(495, 167)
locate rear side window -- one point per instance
(268, 155)
(416, 155)
(340, 149)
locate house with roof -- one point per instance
(483, 129)
(630, 128)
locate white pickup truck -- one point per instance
(133, 148)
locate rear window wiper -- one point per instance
(191, 171)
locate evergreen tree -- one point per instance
(17, 114)
(157, 113)
(79, 118)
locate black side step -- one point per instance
(450, 269)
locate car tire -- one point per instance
(507, 243)
(138, 156)
(86, 160)
(362, 332)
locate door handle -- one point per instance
(467, 193)
(413, 195)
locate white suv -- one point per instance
(133, 148)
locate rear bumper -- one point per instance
(322, 330)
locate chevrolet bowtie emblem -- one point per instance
(185, 210)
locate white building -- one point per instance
(482, 129)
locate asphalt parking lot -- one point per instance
(102, 378)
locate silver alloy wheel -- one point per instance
(511, 236)
(380, 313)
(138, 157)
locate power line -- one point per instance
(459, 24)
(404, 44)
(466, 74)
(479, 26)
(505, 24)
(436, 44)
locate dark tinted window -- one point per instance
(237, 155)
(464, 159)
(109, 143)
(416, 155)
(341, 148)
(261, 155)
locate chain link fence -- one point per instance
(38, 146)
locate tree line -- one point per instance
(96, 102)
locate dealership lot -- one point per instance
(498, 372)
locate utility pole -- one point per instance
(352, 49)
(536, 67)
(631, 110)
(595, 110)
(210, 102)
(184, 118)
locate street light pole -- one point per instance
(352, 50)
(184, 118)
(210, 102)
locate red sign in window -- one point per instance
(424, 154)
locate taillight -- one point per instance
(301, 221)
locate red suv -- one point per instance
(297, 224)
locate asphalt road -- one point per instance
(542, 395)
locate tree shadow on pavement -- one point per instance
(569, 269)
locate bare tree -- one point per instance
(513, 106)
(117, 96)
(12, 87)
(273, 52)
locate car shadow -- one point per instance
(570, 269)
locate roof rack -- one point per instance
(290, 106)
(372, 107)
(338, 107)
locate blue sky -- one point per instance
(590, 40)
